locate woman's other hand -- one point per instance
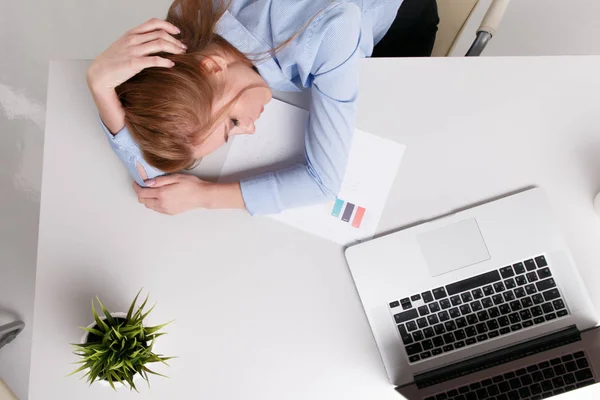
(130, 54)
(178, 193)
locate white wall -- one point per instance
(539, 28)
(548, 27)
(33, 32)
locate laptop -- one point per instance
(484, 303)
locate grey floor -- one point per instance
(34, 32)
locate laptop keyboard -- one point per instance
(537, 381)
(477, 309)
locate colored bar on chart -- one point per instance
(358, 217)
(337, 207)
(347, 212)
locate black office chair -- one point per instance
(454, 15)
(8, 332)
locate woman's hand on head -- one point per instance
(178, 193)
(131, 53)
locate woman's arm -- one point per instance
(126, 57)
(178, 193)
(109, 107)
(332, 56)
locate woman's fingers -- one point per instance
(150, 36)
(150, 203)
(158, 46)
(145, 193)
(163, 180)
(155, 24)
(141, 63)
(154, 205)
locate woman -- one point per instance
(170, 92)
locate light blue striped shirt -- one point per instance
(325, 57)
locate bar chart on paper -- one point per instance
(348, 212)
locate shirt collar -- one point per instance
(232, 30)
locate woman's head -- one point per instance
(239, 102)
(179, 115)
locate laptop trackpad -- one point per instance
(453, 247)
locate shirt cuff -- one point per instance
(130, 154)
(260, 195)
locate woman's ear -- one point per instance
(215, 63)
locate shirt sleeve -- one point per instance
(130, 154)
(331, 47)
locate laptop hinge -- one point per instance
(568, 335)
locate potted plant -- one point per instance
(116, 348)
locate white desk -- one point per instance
(267, 312)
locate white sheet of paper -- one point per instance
(279, 141)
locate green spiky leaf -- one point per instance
(147, 370)
(83, 367)
(99, 323)
(147, 312)
(109, 378)
(132, 306)
(122, 347)
(117, 334)
(152, 329)
(130, 381)
(109, 317)
(137, 316)
(93, 331)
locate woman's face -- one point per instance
(240, 119)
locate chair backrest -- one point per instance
(5, 392)
(457, 19)
(453, 16)
(9, 331)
